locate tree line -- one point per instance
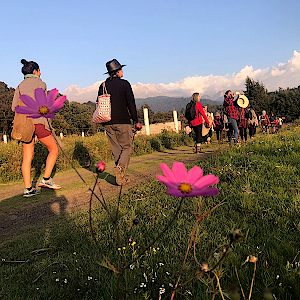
(76, 117)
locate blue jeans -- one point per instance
(235, 129)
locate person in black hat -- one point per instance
(123, 113)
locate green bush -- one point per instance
(10, 161)
(84, 152)
(155, 143)
(142, 145)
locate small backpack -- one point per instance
(190, 111)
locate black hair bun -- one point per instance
(24, 61)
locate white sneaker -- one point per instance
(49, 184)
(30, 193)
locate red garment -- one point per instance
(243, 120)
(231, 110)
(200, 114)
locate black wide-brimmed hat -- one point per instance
(113, 65)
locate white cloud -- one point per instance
(282, 75)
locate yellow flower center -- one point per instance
(185, 188)
(43, 110)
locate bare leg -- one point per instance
(51, 145)
(28, 152)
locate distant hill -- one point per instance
(165, 104)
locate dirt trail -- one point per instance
(18, 214)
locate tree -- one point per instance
(257, 95)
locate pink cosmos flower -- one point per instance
(183, 183)
(43, 105)
(100, 166)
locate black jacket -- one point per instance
(123, 106)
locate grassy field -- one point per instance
(259, 195)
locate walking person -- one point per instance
(207, 131)
(32, 81)
(253, 123)
(195, 118)
(243, 123)
(218, 125)
(232, 116)
(264, 122)
(123, 111)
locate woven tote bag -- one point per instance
(102, 114)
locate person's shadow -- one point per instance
(17, 216)
(82, 155)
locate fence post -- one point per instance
(82, 134)
(175, 120)
(61, 135)
(5, 138)
(146, 121)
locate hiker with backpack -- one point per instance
(194, 113)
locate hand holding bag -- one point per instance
(23, 127)
(102, 114)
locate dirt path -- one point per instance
(18, 214)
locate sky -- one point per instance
(169, 47)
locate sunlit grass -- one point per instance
(260, 185)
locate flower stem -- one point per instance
(118, 205)
(90, 211)
(227, 247)
(219, 286)
(238, 278)
(77, 172)
(161, 234)
(252, 281)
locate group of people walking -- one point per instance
(119, 129)
(236, 122)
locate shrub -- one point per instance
(84, 152)
(155, 143)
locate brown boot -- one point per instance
(121, 179)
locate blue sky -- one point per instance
(159, 41)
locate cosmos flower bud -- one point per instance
(235, 235)
(252, 259)
(100, 166)
(204, 267)
(135, 221)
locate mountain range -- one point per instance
(165, 103)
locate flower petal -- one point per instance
(28, 101)
(208, 191)
(176, 192)
(49, 116)
(40, 96)
(206, 181)
(165, 181)
(194, 174)
(25, 110)
(35, 116)
(51, 97)
(58, 104)
(179, 171)
(167, 172)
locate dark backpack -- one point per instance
(190, 111)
